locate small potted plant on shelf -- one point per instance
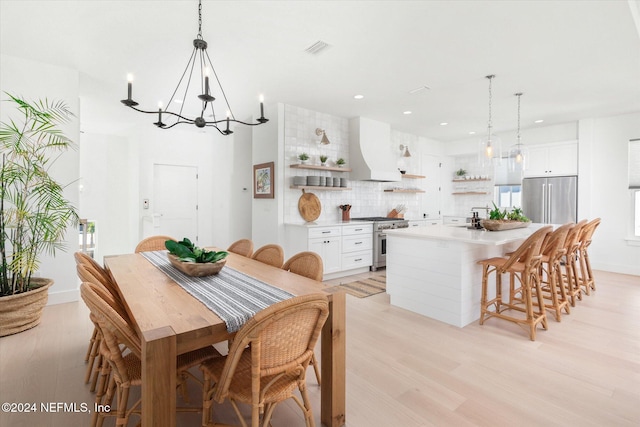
(461, 173)
(323, 160)
(340, 162)
(304, 158)
(195, 261)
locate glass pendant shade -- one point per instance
(489, 147)
(518, 157)
(518, 153)
(489, 151)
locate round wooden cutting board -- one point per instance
(309, 206)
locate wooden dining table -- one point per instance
(170, 322)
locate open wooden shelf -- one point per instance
(321, 188)
(321, 168)
(399, 190)
(470, 192)
(411, 176)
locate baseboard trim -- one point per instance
(63, 297)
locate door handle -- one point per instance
(549, 211)
(544, 203)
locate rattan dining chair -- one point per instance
(586, 274)
(270, 254)
(242, 247)
(121, 349)
(571, 276)
(522, 265)
(153, 243)
(90, 271)
(267, 361)
(307, 264)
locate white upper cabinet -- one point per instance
(552, 159)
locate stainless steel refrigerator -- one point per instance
(551, 200)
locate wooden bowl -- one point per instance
(499, 225)
(197, 269)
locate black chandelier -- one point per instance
(200, 54)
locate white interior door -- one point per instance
(175, 204)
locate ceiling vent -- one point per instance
(316, 48)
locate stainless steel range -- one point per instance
(380, 224)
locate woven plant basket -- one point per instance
(23, 311)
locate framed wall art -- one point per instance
(263, 181)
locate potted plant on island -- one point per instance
(323, 160)
(501, 220)
(304, 158)
(340, 162)
(34, 214)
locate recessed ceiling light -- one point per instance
(406, 112)
(358, 96)
(178, 101)
(444, 124)
(473, 132)
(539, 121)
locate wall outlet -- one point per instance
(145, 204)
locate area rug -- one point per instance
(362, 288)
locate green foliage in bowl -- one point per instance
(186, 251)
(515, 215)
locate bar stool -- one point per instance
(523, 264)
(553, 290)
(569, 260)
(586, 275)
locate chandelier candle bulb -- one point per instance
(129, 85)
(262, 106)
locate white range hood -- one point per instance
(370, 153)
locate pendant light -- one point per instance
(199, 60)
(518, 154)
(489, 150)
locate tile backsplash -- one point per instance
(367, 198)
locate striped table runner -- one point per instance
(234, 296)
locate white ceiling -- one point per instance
(572, 59)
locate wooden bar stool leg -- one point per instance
(483, 296)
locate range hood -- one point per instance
(370, 153)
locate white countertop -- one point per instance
(326, 223)
(463, 234)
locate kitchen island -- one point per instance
(432, 270)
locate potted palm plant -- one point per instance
(34, 214)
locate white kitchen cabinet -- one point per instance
(344, 248)
(357, 246)
(329, 250)
(424, 222)
(454, 221)
(552, 159)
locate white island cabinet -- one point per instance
(432, 270)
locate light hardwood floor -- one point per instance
(402, 369)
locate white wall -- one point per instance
(603, 189)
(107, 190)
(36, 81)
(266, 214)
